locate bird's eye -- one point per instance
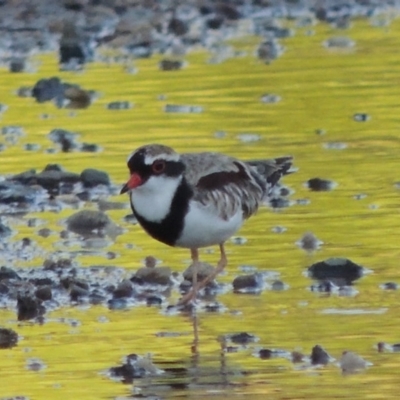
(158, 166)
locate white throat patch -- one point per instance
(153, 199)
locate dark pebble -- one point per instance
(44, 293)
(124, 289)
(29, 308)
(76, 98)
(215, 23)
(153, 276)
(320, 185)
(323, 287)
(8, 338)
(96, 298)
(17, 65)
(76, 292)
(390, 286)
(278, 286)
(48, 89)
(242, 338)
(87, 221)
(177, 27)
(72, 48)
(170, 65)
(340, 271)
(265, 354)
(117, 304)
(90, 148)
(15, 193)
(92, 177)
(119, 105)
(319, 356)
(8, 273)
(360, 117)
(248, 283)
(154, 301)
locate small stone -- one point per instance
(340, 271)
(361, 117)
(8, 274)
(278, 286)
(170, 65)
(124, 289)
(29, 308)
(265, 354)
(242, 338)
(154, 301)
(8, 338)
(76, 98)
(319, 356)
(309, 242)
(17, 65)
(351, 362)
(389, 286)
(91, 177)
(44, 293)
(87, 221)
(320, 185)
(248, 283)
(119, 105)
(48, 89)
(153, 276)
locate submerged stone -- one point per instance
(8, 338)
(321, 185)
(87, 221)
(340, 271)
(319, 356)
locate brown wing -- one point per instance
(223, 184)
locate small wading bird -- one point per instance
(195, 200)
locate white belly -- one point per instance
(203, 228)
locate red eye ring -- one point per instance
(158, 166)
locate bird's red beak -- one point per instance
(134, 181)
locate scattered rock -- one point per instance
(339, 271)
(87, 221)
(252, 283)
(170, 65)
(92, 177)
(153, 276)
(8, 338)
(351, 362)
(361, 117)
(320, 185)
(29, 307)
(319, 356)
(119, 105)
(309, 242)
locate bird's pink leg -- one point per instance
(191, 295)
(196, 286)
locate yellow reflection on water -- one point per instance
(320, 89)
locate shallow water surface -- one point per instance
(321, 90)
